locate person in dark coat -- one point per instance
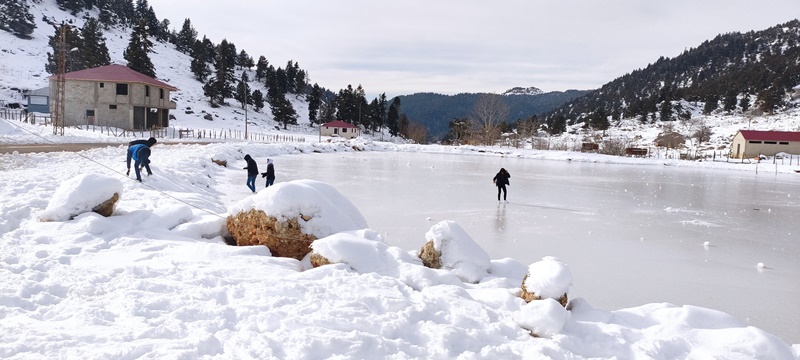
(270, 174)
(501, 180)
(141, 157)
(252, 172)
(149, 142)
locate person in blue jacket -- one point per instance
(252, 172)
(141, 157)
(149, 142)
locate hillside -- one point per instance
(736, 74)
(22, 68)
(436, 111)
(736, 70)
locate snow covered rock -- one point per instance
(362, 250)
(81, 194)
(289, 216)
(548, 278)
(450, 247)
(543, 318)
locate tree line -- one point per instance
(224, 72)
(733, 73)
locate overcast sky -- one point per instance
(457, 46)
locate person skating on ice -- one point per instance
(252, 172)
(270, 174)
(501, 181)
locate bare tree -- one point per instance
(417, 132)
(489, 113)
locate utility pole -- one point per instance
(245, 104)
(58, 111)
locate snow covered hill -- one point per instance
(22, 68)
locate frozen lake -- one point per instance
(630, 234)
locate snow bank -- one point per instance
(79, 195)
(459, 252)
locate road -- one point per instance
(34, 148)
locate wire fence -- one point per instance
(157, 132)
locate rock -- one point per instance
(289, 216)
(220, 162)
(284, 239)
(429, 256)
(450, 247)
(318, 260)
(106, 208)
(83, 193)
(208, 117)
(548, 278)
(529, 296)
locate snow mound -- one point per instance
(80, 194)
(544, 318)
(459, 252)
(548, 278)
(327, 211)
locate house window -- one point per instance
(122, 89)
(160, 93)
(770, 142)
(112, 107)
(102, 85)
(784, 143)
(754, 142)
(344, 130)
(146, 90)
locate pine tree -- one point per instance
(291, 76)
(15, 17)
(313, 103)
(186, 37)
(94, 51)
(258, 100)
(261, 68)
(282, 110)
(72, 40)
(73, 6)
(220, 86)
(137, 52)
(202, 54)
(243, 91)
(393, 117)
(244, 60)
(146, 13)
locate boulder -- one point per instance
(547, 279)
(289, 216)
(449, 247)
(81, 194)
(106, 208)
(284, 237)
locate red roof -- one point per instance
(771, 135)
(339, 124)
(115, 73)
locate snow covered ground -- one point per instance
(157, 281)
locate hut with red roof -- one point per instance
(114, 95)
(753, 143)
(339, 128)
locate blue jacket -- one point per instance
(135, 150)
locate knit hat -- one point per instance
(269, 161)
(151, 141)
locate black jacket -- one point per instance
(252, 167)
(270, 171)
(501, 179)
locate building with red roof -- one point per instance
(339, 128)
(114, 95)
(752, 143)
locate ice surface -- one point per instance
(631, 234)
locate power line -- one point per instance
(111, 169)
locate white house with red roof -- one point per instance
(114, 95)
(339, 128)
(752, 143)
